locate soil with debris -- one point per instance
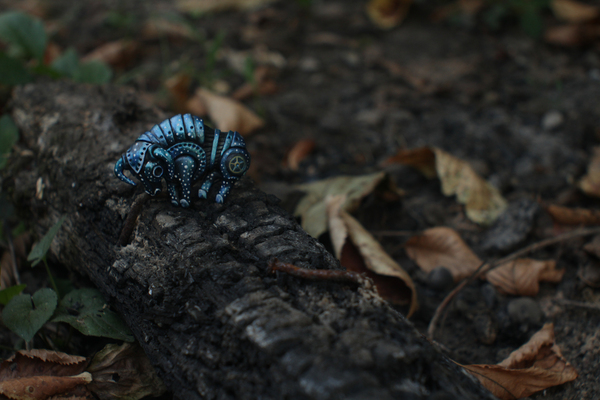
(524, 114)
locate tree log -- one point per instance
(192, 284)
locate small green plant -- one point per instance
(83, 309)
(7, 294)
(26, 43)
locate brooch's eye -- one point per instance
(157, 171)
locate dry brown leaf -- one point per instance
(574, 11)
(227, 113)
(118, 54)
(39, 374)
(590, 183)
(387, 14)
(178, 86)
(422, 159)
(263, 84)
(483, 202)
(299, 152)
(572, 35)
(458, 7)
(158, 27)
(42, 387)
(443, 247)
(593, 246)
(573, 216)
(358, 251)
(535, 366)
(312, 207)
(522, 276)
(431, 76)
(124, 372)
(51, 53)
(207, 6)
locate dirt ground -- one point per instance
(523, 113)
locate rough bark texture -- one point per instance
(192, 284)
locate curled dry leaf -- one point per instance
(521, 277)
(483, 202)
(118, 54)
(590, 183)
(422, 159)
(124, 372)
(573, 216)
(207, 6)
(443, 247)
(39, 374)
(227, 113)
(387, 14)
(573, 11)
(358, 251)
(535, 366)
(299, 152)
(312, 207)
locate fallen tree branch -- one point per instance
(193, 284)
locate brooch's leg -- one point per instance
(203, 191)
(185, 166)
(172, 187)
(223, 192)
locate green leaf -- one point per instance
(67, 63)
(24, 34)
(92, 72)
(64, 286)
(13, 71)
(86, 311)
(45, 70)
(25, 314)
(9, 293)
(40, 249)
(9, 134)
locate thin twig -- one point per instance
(394, 233)
(13, 256)
(484, 268)
(578, 304)
(136, 209)
(316, 274)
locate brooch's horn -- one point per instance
(164, 155)
(119, 168)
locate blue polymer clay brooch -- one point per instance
(182, 150)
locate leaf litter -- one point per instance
(535, 366)
(483, 202)
(443, 247)
(358, 251)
